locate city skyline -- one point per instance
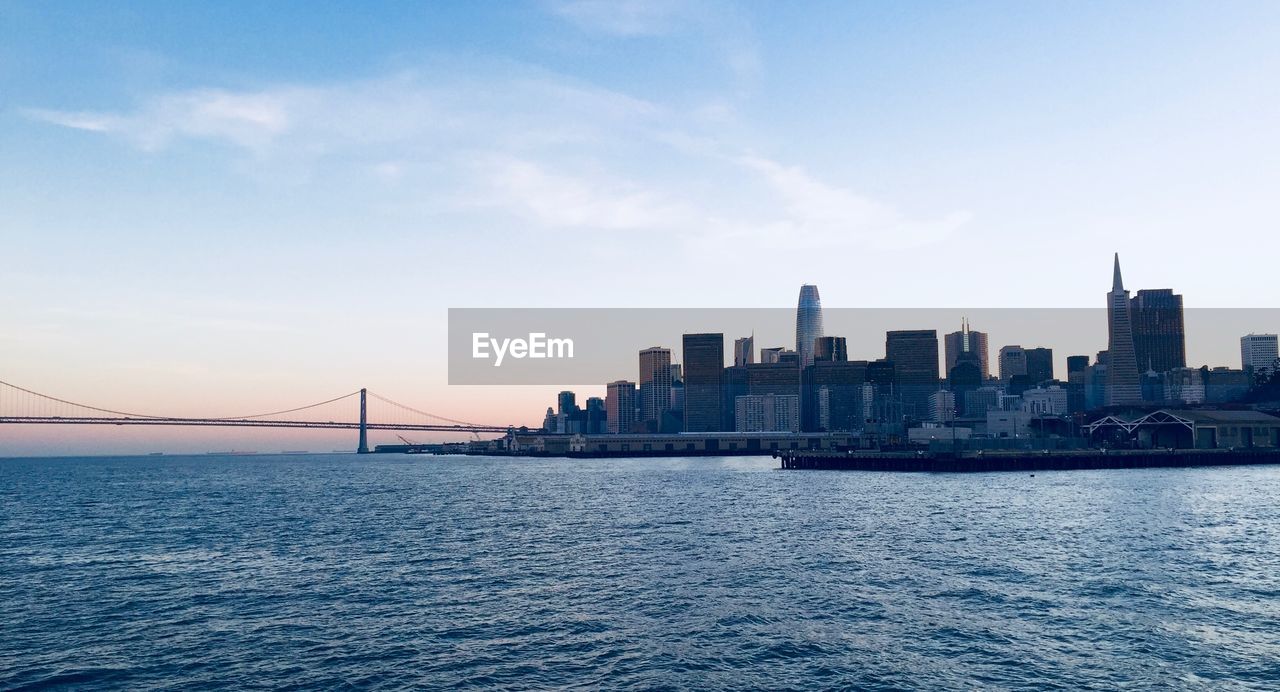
(664, 366)
(820, 388)
(205, 214)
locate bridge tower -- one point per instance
(364, 425)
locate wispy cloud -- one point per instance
(558, 154)
(721, 27)
(563, 201)
(522, 110)
(625, 17)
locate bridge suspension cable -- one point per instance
(78, 405)
(19, 404)
(293, 410)
(126, 414)
(432, 416)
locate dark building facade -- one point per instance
(1077, 372)
(1039, 364)
(830, 348)
(965, 376)
(704, 382)
(833, 395)
(596, 416)
(1159, 335)
(914, 354)
(758, 379)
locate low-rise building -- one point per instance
(1191, 429)
(1045, 401)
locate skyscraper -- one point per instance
(914, 353)
(620, 406)
(808, 323)
(655, 386)
(703, 382)
(596, 416)
(1077, 368)
(834, 395)
(1159, 336)
(955, 343)
(1039, 364)
(830, 349)
(772, 355)
(1124, 387)
(744, 350)
(1013, 362)
(1258, 352)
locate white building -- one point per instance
(1259, 351)
(767, 413)
(942, 406)
(1045, 401)
(1009, 402)
(1003, 424)
(981, 400)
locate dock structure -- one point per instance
(1024, 460)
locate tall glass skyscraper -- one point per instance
(808, 323)
(1159, 337)
(704, 382)
(655, 386)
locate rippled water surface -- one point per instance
(386, 572)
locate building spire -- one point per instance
(1116, 283)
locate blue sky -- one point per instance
(199, 202)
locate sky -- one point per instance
(229, 207)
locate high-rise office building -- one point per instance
(596, 416)
(566, 403)
(1013, 362)
(968, 340)
(942, 406)
(808, 323)
(744, 350)
(830, 349)
(1159, 336)
(914, 354)
(1077, 369)
(834, 395)
(1039, 364)
(772, 355)
(703, 382)
(655, 386)
(964, 377)
(677, 392)
(620, 406)
(1258, 352)
(1124, 387)
(767, 413)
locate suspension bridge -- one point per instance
(19, 405)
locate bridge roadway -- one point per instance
(233, 423)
